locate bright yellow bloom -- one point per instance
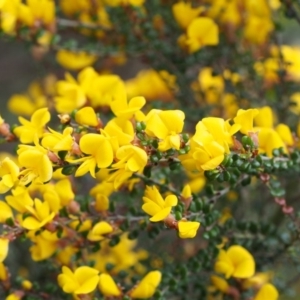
(245, 119)
(98, 230)
(36, 163)
(124, 109)
(147, 286)
(83, 281)
(40, 215)
(157, 207)
(5, 212)
(100, 154)
(19, 199)
(102, 89)
(184, 13)
(202, 32)
(187, 229)
(152, 85)
(9, 15)
(121, 129)
(9, 173)
(26, 284)
(71, 95)
(56, 141)
(35, 127)
(64, 190)
(107, 286)
(75, 60)
(86, 116)
(131, 158)
(265, 117)
(44, 244)
(4, 245)
(165, 125)
(42, 11)
(236, 262)
(267, 291)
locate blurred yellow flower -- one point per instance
(35, 127)
(147, 286)
(86, 116)
(202, 32)
(267, 291)
(83, 281)
(235, 262)
(99, 230)
(4, 245)
(107, 286)
(184, 13)
(75, 60)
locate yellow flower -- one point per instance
(265, 117)
(131, 158)
(86, 116)
(257, 29)
(267, 291)
(184, 13)
(45, 244)
(121, 129)
(102, 203)
(83, 281)
(155, 206)
(19, 199)
(3, 272)
(245, 119)
(27, 104)
(64, 190)
(56, 141)
(40, 215)
(165, 125)
(42, 11)
(124, 2)
(100, 154)
(202, 32)
(36, 163)
(220, 283)
(102, 89)
(4, 245)
(187, 229)
(147, 286)
(9, 15)
(71, 95)
(5, 212)
(75, 60)
(35, 127)
(107, 286)
(9, 173)
(126, 109)
(98, 230)
(236, 262)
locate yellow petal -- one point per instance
(107, 286)
(147, 287)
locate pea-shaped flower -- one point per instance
(100, 154)
(165, 125)
(83, 281)
(267, 291)
(157, 207)
(147, 286)
(100, 229)
(9, 172)
(236, 262)
(187, 229)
